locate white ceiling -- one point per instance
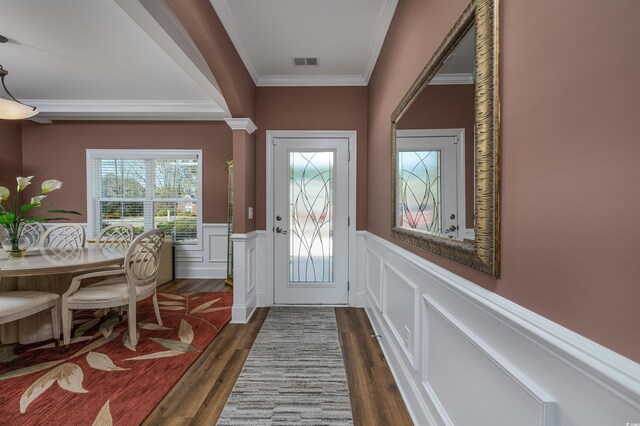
(459, 66)
(346, 35)
(128, 59)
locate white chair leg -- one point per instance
(156, 308)
(55, 320)
(131, 316)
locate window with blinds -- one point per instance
(147, 189)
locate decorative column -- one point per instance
(244, 234)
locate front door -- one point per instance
(310, 220)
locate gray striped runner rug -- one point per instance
(294, 374)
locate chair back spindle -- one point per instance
(64, 236)
(118, 236)
(143, 258)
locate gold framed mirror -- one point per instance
(446, 147)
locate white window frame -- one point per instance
(150, 154)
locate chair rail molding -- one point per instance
(461, 354)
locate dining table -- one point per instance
(47, 269)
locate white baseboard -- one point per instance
(464, 355)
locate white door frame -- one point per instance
(458, 133)
(351, 136)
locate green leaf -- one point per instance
(7, 218)
(43, 219)
(28, 207)
(64, 211)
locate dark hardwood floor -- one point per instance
(200, 395)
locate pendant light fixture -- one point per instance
(12, 109)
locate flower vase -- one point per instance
(15, 247)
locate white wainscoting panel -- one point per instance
(476, 358)
(206, 260)
(373, 277)
(401, 312)
(244, 277)
(453, 355)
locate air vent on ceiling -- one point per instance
(305, 61)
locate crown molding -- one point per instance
(245, 124)
(127, 110)
(230, 25)
(445, 79)
(311, 80)
(379, 34)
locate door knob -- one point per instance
(280, 230)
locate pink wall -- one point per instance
(10, 153)
(570, 100)
(58, 151)
(447, 107)
(206, 30)
(311, 108)
(244, 181)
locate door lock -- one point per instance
(278, 218)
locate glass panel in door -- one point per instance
(419, 190)
(311, 210)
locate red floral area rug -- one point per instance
(101, 380)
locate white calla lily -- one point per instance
(4, 193)
(50, 185)
(37, 199)
(23, 182)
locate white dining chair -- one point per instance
(15, 305)
(33, 232)
(117, 236)
(123, 287)
(64, 236)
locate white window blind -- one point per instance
(153, 190)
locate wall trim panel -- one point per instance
(410, 350)
(208, 261)
(244, 273)
(546, 405)
(575, 380)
